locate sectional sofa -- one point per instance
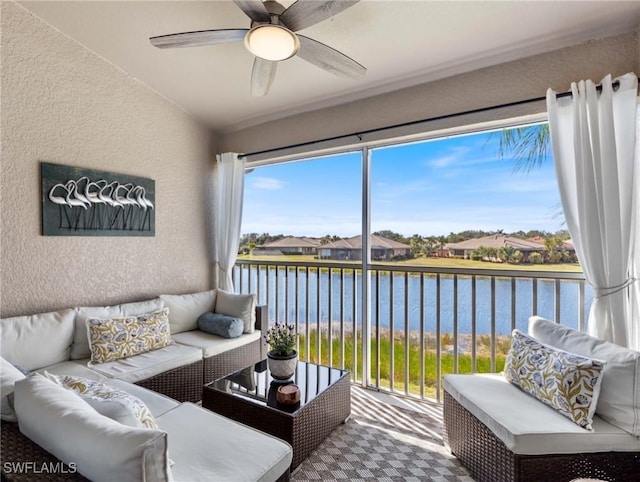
(501, 432)
(46, 423)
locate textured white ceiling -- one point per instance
(401, 43)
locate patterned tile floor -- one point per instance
(384, 441)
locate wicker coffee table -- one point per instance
(249, 396)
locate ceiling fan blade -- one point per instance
(262, 75)
(254, 9)
(305, 13)
(196, 39)
(329, 59)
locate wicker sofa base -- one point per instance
(25, 461)
(489, 460)
(230, 361)
(183, 383)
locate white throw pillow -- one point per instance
(184, 310)
(136, 308)
(100, 448)
(9, 375)
(619, 400)
(238, 306)
(80, 348)
(109, 401)
(37, 341)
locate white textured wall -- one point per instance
(63, 104)
(501, 84)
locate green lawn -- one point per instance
(434, 262)
(483, 360)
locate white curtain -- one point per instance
(228, 195)
(634, 323)
(593, 140)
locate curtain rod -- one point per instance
(359, 134)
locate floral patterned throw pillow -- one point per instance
(116, 338)
(108, 401)
(567, 382)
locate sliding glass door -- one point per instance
(406, 262)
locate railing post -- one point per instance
(366, 261)
(342, 311)
(493, 324)
(438, 340)
(474, 319)
(455, 323)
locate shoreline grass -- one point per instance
(433, 262)
(381, 372)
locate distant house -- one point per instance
(567, 245)
(497, 241)
(291, 245)
(350, 249)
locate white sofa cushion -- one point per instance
(156, 402)
(9, 375)
(529, 427)
(76, 368)
(149, 364)
(184, 310)
(212, 345)
(100, 448)
(107, 400)
(80, 348)
(232, 451)
(36, 341)
(238, 306)
(122, 337)
(619, 400)
(566, 382)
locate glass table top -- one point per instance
(255, 383)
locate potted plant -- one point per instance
(282, 357)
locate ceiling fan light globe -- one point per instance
(271, 42)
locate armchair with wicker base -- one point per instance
(502, 433)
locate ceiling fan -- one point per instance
(271, 38)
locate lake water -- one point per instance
(388, 311)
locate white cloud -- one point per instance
(267, 183)
(444, 161)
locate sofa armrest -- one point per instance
(262, 324)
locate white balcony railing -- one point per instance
(423, 322)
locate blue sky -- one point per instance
(429, 188)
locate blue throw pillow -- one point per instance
(221, 325)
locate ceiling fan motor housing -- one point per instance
(274, 8)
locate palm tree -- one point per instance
(329, 237)
(442, 242)
(417, 244)
(530, 146)
(507, 253)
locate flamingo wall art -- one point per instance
(87, 202)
